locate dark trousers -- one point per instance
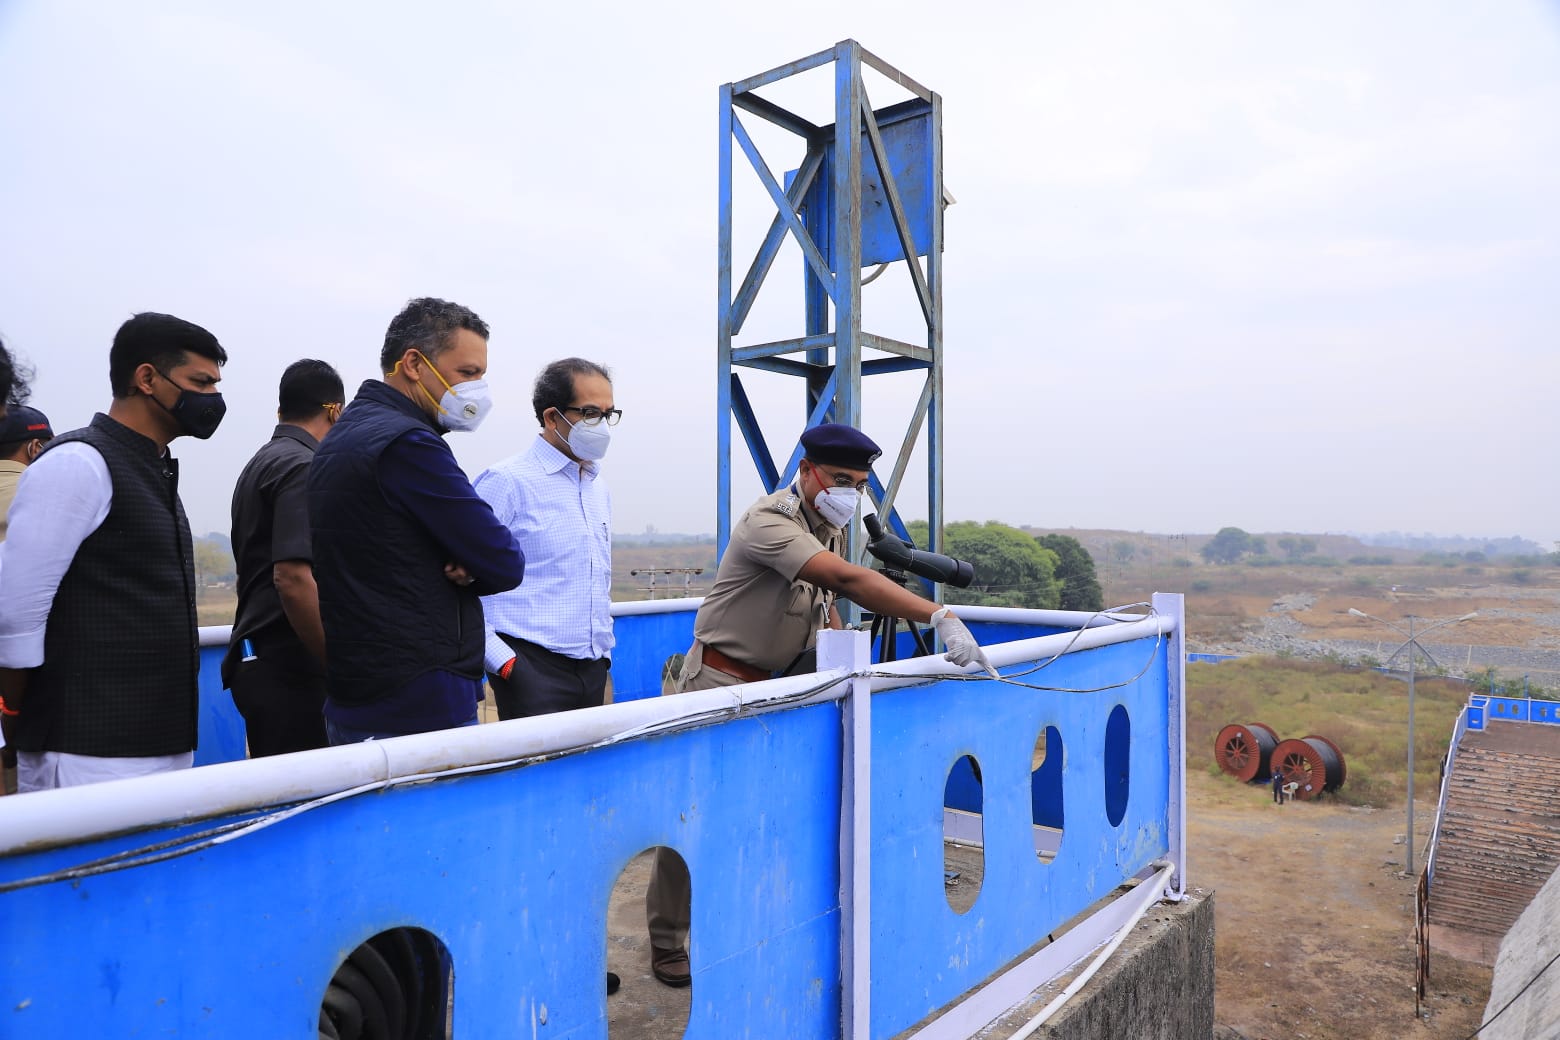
(543, 682)
(281, 695)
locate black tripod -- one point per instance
(885, 629)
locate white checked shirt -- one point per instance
(561, 514)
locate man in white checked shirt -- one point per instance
(549, 641)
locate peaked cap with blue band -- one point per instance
(835, 444)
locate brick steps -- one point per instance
(1500, 833)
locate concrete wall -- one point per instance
(1157, 986)
(1530, 944)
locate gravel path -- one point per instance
(1279, 633)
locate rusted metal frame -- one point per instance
(896, 346)
(781, 346)
(896, 209)
(781, 117)
(783, 207)
(770, 248)
(846, 248)
(934, 335)
(779, 72)
(900, 112)
(820, 413)
(887, 365)
(742, 411)
(893, 74)
(781, 366)
(723, 372)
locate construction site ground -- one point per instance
(1314, 920)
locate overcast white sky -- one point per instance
(1281, 266)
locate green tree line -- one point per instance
(1014, 569)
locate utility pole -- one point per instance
(1412, 644)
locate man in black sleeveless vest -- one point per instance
(402, 544)
(99, 649)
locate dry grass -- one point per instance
(1362, 711)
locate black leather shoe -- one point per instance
(671, 966)
(613, 982)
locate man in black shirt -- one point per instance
(275, 664)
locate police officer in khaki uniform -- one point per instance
(775, 589)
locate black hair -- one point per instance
(429, 325)
(307, 387)
(13, 380)
(10, 448)
(555, 386)
(159, 340)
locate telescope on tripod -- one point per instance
(900, 560)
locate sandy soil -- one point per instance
(1314, 923)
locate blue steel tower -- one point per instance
(868, 192)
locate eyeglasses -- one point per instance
(842, 480)
(590, 415)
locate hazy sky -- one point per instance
(1281, 266)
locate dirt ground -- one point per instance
(1314, 923)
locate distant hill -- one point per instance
(650, 536)
(1490, 547)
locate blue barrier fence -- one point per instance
(1483, 709)
(810, 811)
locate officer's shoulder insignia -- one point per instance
(787, 506)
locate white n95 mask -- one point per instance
(837, 505)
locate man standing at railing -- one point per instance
(403, 547)
(98, 642)
(275, 663)
(549, 639)
(775, 588)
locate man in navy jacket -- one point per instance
(403, 547)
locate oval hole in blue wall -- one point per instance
(1045, 793)
(964, 859)
(633, 1012)
(401, 982)
(1118, 764)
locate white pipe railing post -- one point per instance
(853, 650)
(1173, 605)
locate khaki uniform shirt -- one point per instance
(758, 612)
(10, 474)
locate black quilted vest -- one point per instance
(121, 650)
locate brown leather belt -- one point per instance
(721, 663)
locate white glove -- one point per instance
(962, 648)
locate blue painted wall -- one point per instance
(924, 954)
(512, 872)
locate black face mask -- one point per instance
(197, 414)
